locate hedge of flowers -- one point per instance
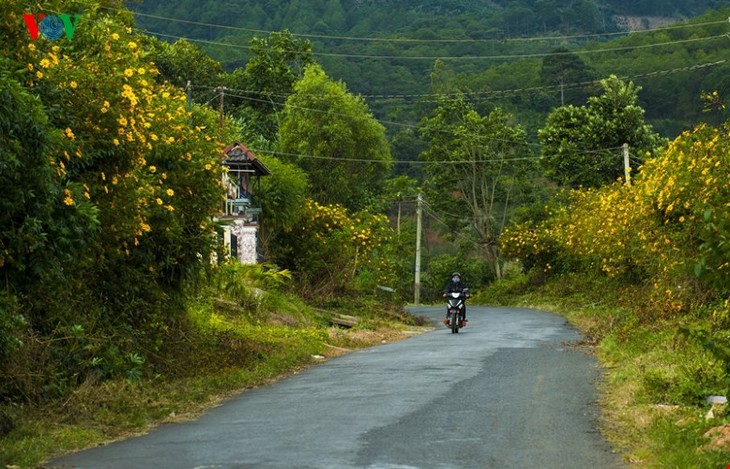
(129, 147)
(670, 229)
(341, 245)
(136, 171)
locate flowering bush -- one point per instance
(670, 227)
(336, 246)
(124, 177)
(536, 244)
(129, 143)
(108, 200)
(689, 191)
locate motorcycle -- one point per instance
(455, 303)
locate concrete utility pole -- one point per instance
(222, 91)
(189, 93)
(627, 164)
(417, 282)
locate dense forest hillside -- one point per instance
(412, 18)
(505, 53)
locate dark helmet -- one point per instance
(456, 274)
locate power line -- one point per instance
(454, 57)
(416, 127)
(496, 93)
(401, 124)
(218, 95)
(321, 111)
(421, 41)
(422, 162)
(457, 234)
(411, 126)
(474, 94)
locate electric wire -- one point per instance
(435, 41)
(495, 93)
(487, 93)
(328, 112)
(602, 151)
(430, 212)
(217, 96)
(417, 127)
(455, 57)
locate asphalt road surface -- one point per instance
(508, 391)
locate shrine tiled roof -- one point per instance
(239, 157)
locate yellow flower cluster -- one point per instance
(672, 223)
(365, 231)
(128, 93)
(68, 197)
(112, 102)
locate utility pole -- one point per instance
(627, 164)
(397, 222)
(189, 92)
(417, 282)
(222, 92)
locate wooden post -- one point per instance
(627, 164)
(222, 92)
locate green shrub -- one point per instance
(503, 291)
(474, 272)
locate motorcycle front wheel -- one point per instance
(454, 318)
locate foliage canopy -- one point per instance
(332, 135)
(581, 146)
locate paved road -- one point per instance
(506, 392)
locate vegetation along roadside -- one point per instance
(643, 269)
(656, 377)
(240, 332)
(566, 163)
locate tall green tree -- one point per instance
(182, 62)
(565, 70)
(582, 145)
(283, 198)
(260, 89)
(332, 135)
(475, 168)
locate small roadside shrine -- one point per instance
(241, 212)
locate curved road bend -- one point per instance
(504, 393)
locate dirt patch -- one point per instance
(719, 438)
(642, 23)
(348, 340)
(374, 337)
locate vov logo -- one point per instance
(51, 27)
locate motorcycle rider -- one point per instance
(456, 285)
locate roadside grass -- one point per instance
(655, 377)
(224, 346)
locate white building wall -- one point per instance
(246, 238)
